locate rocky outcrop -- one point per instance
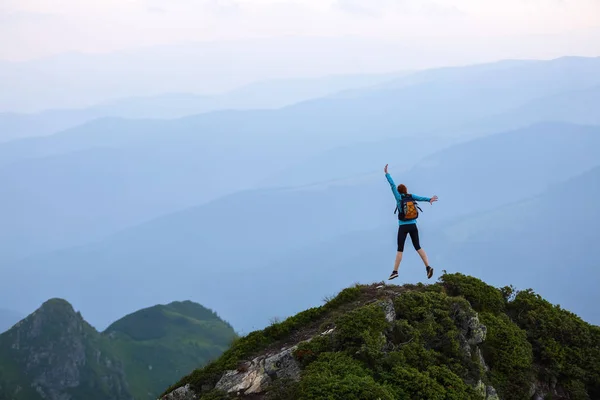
(388, 309)
(283, 365)
(182, 393)
(255, 376)
(491, 394)
(472, 332)
(476, 331)
(252, 379)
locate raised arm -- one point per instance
(397, 194)
(392, 184)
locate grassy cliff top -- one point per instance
(458, 338)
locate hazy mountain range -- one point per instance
(264, 237)
(110, 174)
(75, 80)
(225, 202)
(260, 95)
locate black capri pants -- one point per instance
(408, 229)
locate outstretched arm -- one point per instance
(427, 199)
(392, 184)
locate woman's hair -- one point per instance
(402, 189)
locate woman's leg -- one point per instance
(423, 257)
(402, 233)
(398, 261)
(414, 237)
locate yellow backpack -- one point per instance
(408, 208)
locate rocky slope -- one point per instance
(456, 339)
(54, 354)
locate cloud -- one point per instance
(217, 7)
(436, 9)
(223, 7)
(109, 25)
(156, 10)
(17, 17)
(377, 8)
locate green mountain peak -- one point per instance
(56, 302)
(458, 338)
(55, 354)
(157, 321)
(160, 343)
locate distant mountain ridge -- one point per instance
(259, 95)
(580, 106)
(112, 174)
(271, 234)
(55, 354)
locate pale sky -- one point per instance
(38, 28)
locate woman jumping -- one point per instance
(407, 219)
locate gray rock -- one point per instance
(388, 308)
(283, 365)
(476, 331)
(491, 394)
(327, 332)
(472, 332)
(256, 375)
(252, 379)
(467, 321)
(182, 393)
(464, 345)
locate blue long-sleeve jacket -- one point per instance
(398, 197)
